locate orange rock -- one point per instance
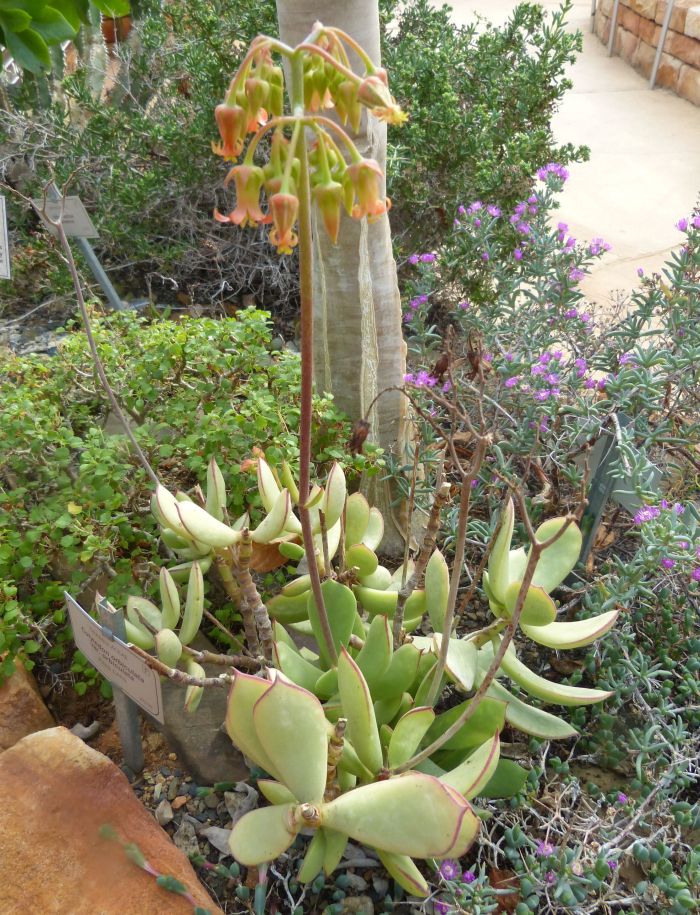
(22, 710)
(57, 794)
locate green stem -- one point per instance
(307, 353)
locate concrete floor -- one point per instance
(644, 170)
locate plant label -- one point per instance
(71, 212)
(5, 272)
(115, 661)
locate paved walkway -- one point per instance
(644, 170)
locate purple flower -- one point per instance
(544, 358)
(409, 378)
(695, 574)
(519, 209)
(441, 908)
(469, 876)
(545, 849)
(461, 210)
(511, 382)
(597, 245)
(575, 275)
(552, 168)
(683, 544)
(581, 366)
(647, 513)
(537, 369)
(678, 508)
(552, 378)
(664, 503)
(447, 387)
(532, 210)
(557, 354)
(473, 207)
(477, 223)
(625, 358)
(550, 877)
(524, 228)
(586, 318)
(622, 798)
(488, 357)
(640, 271)
(408, 317)
(493, 211)
(668, 563)
(532, 198)
(612, 865)
(449, 869)
(464, 305)
(414, 259)
(518, 254)
(562, 227)
(474, 484)
(571, 313)
(427, 258)
(590, 383)
(695, 222)
(485, 256)
(508, 357)
(682, 225)
(541, 396)
(425, 379)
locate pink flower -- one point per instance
(511, 382)
(449, 870)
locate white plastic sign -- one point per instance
(5, 272)
(114, 660)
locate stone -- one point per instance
(356, 905)
(57, 795)
(649, 31)
(185, 838)
(643, 58)
(626, 44)
(630, 20)
(218, 839)
(202, 747)
(692, 22)
(678, 15)
(240, 801)
(689, 84)
(164, 813)
(688, 49)
(646, 8)
(602, 26)
(667, 74)
(22, 710)
(605, 7)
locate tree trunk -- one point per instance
(358, 342)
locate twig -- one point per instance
(179, 676)
(251, 598)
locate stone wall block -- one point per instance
(649, 31)
(678, 16)
(692, 22)
(687, 49)
(605, 7)
(645, 8)
(602, 26)
(689, 84)
(630, 20)
(625, 44)
(667, 74)
(643, 58)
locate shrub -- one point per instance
(74, 501)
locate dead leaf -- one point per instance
(505, 880)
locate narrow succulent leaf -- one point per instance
(357, 705)
(407, 735)
(461, 661)
(415, 605)
(468, 830)
(556, 693)
(356, 519)
(292, 730)
(397, 577)
(404, 872)
(517, 563)
(334, 496)
(531, 720)
(137, 635)
(297, 586)
(289, 609)
(193, 694)
(375, 655)
(336, 843)
(244, 693)
(313, 859)
(200, 525)
(326, 685)
(414, 814)
(386, 710)
(293, 551)
(315, 497)
(425, 686)
(173, 540)
(346, 780)
(437, 587)
(557, 561)
(341, 607)
(380, 579)
(273, 525)
(508, 780)
(292, 665)
(241, 523)
(362, 558)
(216, 491)
(400, 674)
(275, 792)
(375, 529)
(263, 835)
(194, 605)
(280, 634)
(475, 772)
(352, 763)
(137, 607)
(499, 558)
(166, 511)
(538, 609)
(289, 482)
(168, 647)
(169, 599)
(374, 601)
(181, 572)
(487, 720)
(267, 485)
(572, 635)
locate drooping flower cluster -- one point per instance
(254, 105)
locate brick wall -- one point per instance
(637, 37)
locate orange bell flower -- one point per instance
(329, 198)
(248, 180)
(284, 209)
(364, 177)
(231, 121)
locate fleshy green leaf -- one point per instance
(507, 781)
(357, 706)
(275, 792)
(341, 607)
(361, 557)
(499, 558)
(475, 772)
(292, 665)
(404, 872)
(538, 609)
(556, 693)
(313, 859)
(529, 719)
(487, 720)
(194, 605)
(356, 519)
(375, 655)
(293, 732)
(572, 635)
(557, 561)
(437, 586)
(336, 843)
(263, 835)
(408, 733)
(400, 674)
(244, 693)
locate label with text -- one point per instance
(5, 270)
(115, 661)
(72, 213)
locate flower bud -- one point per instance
(284, 209)
(329, 198)
(347, 105)
(231, 121)
(364, 177)
(374, 94)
